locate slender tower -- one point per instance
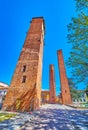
(52, 85)
(24, 93)
(65, 91)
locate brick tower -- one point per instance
(65, 91)
(24, 93)
(52, 85)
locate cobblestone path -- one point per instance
(49, 117)
(58, 117)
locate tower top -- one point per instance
(52, 66)
(39, 18)
(59, 51)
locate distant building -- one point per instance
(45, 95)
(3, 92)
(59, 99)
(82, 98)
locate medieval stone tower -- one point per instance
(52, 85)
(24, 93)
(65, 91)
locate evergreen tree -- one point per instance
(81, 4)
(86, 90)
(78, 37)
(75, 94)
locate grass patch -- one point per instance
(6, 116)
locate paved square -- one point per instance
(49, 117)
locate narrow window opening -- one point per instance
(24, 68)
(24, 79)
(84, 100)
(65, 91)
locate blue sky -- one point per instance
(15, 17)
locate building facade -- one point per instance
(45, 96)
(3, 91)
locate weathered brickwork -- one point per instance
(24, 93)
(65, 91)
(52, 85)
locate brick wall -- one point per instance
(25, 88)
(52, 85)
(65, 91)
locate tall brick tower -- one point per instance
(24, 93)
(52, 85)
(65, 91)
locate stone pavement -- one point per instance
(58, 117)
(16, 122)
(49, 117)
